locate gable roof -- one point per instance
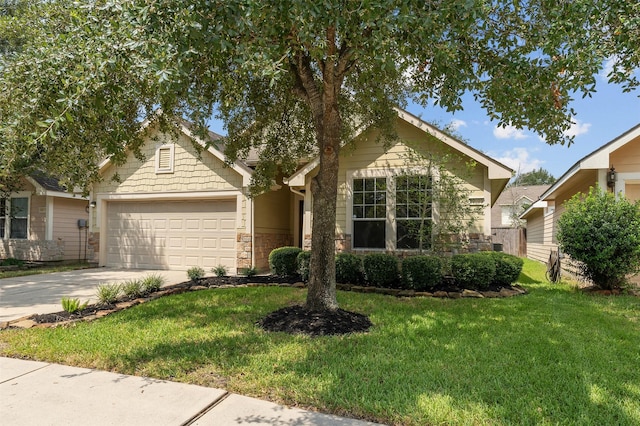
(50, 186)
(185, 128)
(598, 159)
(496, 170)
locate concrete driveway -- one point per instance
(41, 294)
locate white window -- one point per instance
(165, 158)
(14, 218)
(391, 212)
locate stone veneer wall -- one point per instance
(267, 242)
(243, 247)
(93, 247)
(34, 251)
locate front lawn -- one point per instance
(555, 356)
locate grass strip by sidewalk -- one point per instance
(45, 269)
(555, 356)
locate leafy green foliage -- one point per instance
(473, 271)
(108, 293)
(534, 177)
(132, 288)
(195, 273)
(11, 261)
(151, 283)
(250, 272)
(302, 262)
(219, 271)
(421, 272)
(380, 269)
(602, 232)
(73, 305)
(349, 268)
(283, 261)
(508, 267)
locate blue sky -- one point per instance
(601, 118)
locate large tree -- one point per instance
(294, 78)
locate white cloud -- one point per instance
(520, 160)
(508, 132)
(577, 128)
(608, 68)
(456, 124)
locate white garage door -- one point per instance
(171, 235)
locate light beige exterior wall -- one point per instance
(191, 173)
(66, 213)
(273, 212)
(37, 217)
(627, 158)
(366, 154)
(632, 191)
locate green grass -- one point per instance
(555, 356)
(47, 269)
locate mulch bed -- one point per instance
(292, 319)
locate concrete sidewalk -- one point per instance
(42, 294)
(38, 393)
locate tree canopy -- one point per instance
(534, 177)
(292, 78)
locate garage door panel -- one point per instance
(171, 235)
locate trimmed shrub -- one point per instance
(220, 271)
(508, 267)
(473, 271)
(283, 261)
(250, 272)
(152, 282)
(421, 272)
(195, 273)
(380, 269)
(302, 262)
(348, 268)
(602, 232)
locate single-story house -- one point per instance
(44, 222)
(180, 208)
(614, 167)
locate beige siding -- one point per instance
(632, 191)
(66, 213)
(37, 217)
(627, 158)
(191, 173)
(366, 154)
(273, 212)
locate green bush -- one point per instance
(195, 273)
(602, 232)
(421, 272)
(108, 294)
(302, 262)
(348, 268)
(11, 261)
(73, 305)
(132, 288)
(282, 261)
(249, 272)
(508, 267)
(473, 271)
(220, 271)
(151, 283)
(380, 269)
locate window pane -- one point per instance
(381, 197)
(381, 211)
(369, 198)
(358, 198)
(358, 211)
(18, 229)
(19, 207)
(3, 203)
(369, 184)
(408, 234)
(369, 212)
(369, 234)
(358, 185)
(381, 184)
(1, 227)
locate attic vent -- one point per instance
(476, 201)
(164, 159)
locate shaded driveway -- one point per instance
(41, 294)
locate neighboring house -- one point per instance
(506, 227)
(614, 167)
(179, 209)
(40, 222)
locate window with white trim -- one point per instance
(165, 158)
(391, 212)
(14, 218)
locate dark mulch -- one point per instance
(67, 316)
(300, 320)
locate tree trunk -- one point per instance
(324, 187)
